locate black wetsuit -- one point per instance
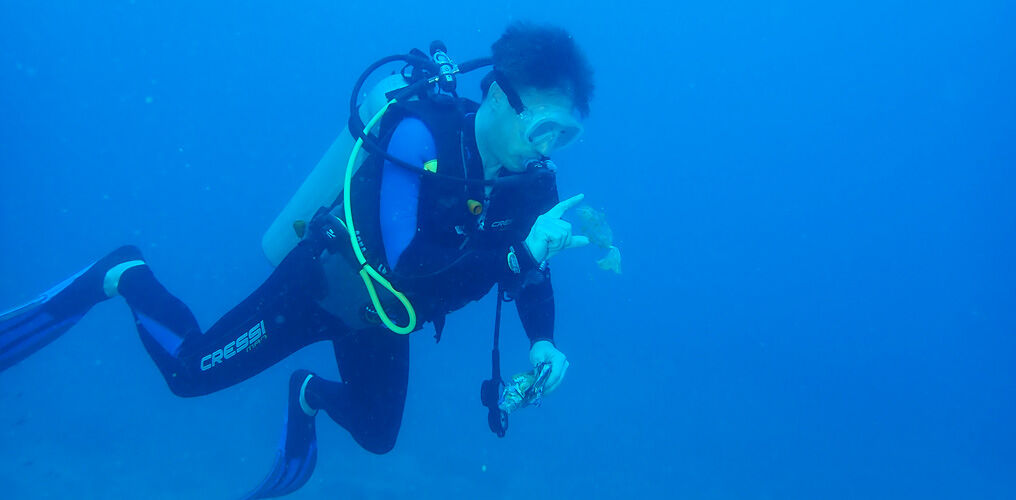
(283, 315)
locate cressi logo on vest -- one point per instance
(245, 342)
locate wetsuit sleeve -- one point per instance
(400, 188)
(528, 283)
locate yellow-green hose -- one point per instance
(368, 273)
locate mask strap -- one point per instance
(509, 92)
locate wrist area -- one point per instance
(525, 245)
(534, 340)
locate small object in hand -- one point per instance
(524, 389)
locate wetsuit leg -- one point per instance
(279, 318)
(369, 401)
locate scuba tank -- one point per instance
(324, 183)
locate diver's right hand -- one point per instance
(544, 351)
(551, 234)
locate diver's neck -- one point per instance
(489, 174)
(491, 164)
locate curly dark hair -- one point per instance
(543, 57)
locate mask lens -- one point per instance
(549, 135)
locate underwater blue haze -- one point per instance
(815, 202)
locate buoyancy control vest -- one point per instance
(463, 235)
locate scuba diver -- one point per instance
(427, 202)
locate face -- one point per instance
(547, 124)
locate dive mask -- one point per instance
(549, 129)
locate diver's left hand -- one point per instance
(543, 351)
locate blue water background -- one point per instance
(815, 204)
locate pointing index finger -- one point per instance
(558, 211)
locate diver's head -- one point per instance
(535, 98)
